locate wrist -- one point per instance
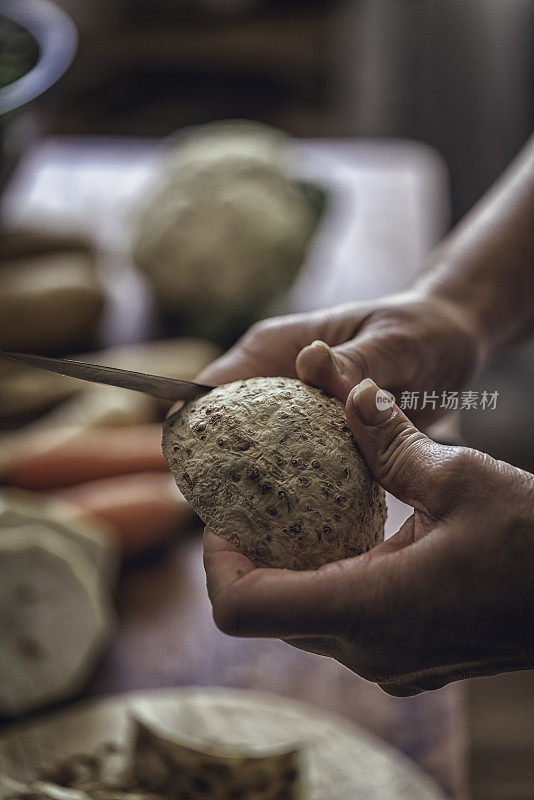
(462, 308)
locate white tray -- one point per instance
(340, 761)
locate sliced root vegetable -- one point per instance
(99, 406)
(97, 538)
(53, 459)
(25, 391)
(213, 772)
(49, 300)
(25, 242)
(146, 509)
(55, 617)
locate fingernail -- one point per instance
(175, 408)
(324, 346)
(374, 405)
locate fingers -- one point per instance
(248, 358)
(234, 365)
(223, 564)
(268, 348)
(406, 462)
(252, 356)
(317, 365)
(174, 408)
(248, 601)
(337, 369)
(408, 686)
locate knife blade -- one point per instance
(155, 385)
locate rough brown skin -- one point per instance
(271, 466)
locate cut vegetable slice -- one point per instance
(161, 763)
(49, 301)
(55, 616)
(98, 539)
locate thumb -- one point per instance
(337, 369)
(318, 365)
(403, 460)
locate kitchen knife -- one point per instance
(155, 385)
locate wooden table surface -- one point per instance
(167, 637)
(389, 208)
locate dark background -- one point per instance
(457, 74)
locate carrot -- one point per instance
(57, 458)
(146, 508)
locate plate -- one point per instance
(339, 760)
